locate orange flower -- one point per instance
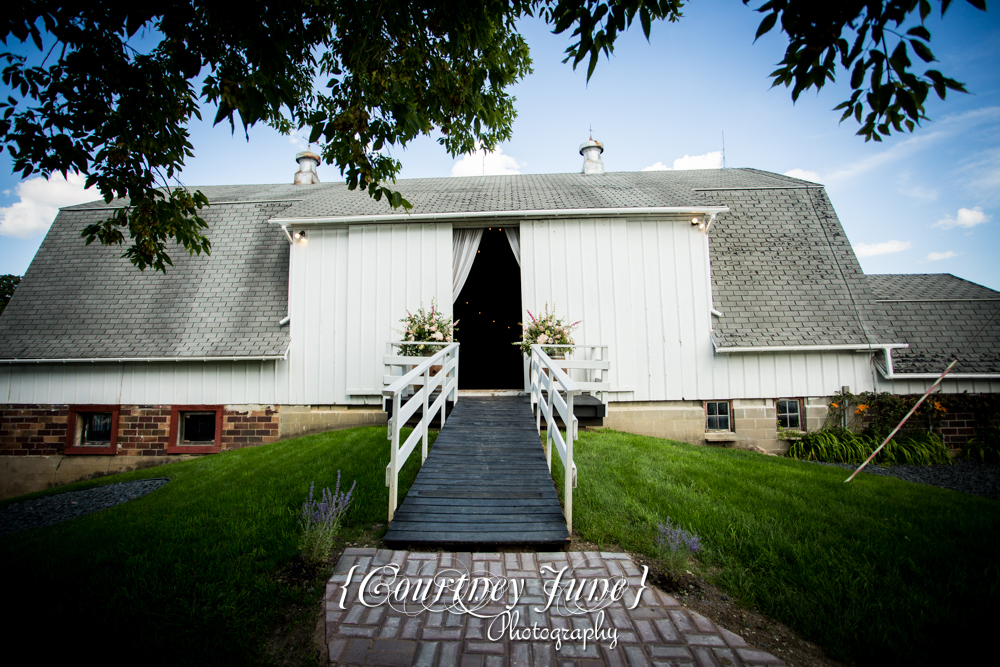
(861, 409)
(834, 406)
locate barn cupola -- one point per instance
(591, 151)
(306, 175)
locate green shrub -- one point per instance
(985, 446)
(838, 445)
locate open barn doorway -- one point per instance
(489, 309)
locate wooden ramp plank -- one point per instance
(485, 482)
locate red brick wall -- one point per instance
(956, 429)
(38, 430)
(245, 429)
(143, 430)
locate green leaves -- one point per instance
(598, 23)
(894, 96)
(151, 222)
(98, 106)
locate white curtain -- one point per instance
(465, 243)
(514, 238)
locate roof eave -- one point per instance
(505, 215)
(124, 360)
(812, 348)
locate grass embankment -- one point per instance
(878, 571)
(187, 573)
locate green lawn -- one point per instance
(186, 573)
(878, 571)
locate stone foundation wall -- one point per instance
(754, 422)
(299, 420)
(27, 474)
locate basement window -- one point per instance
(718, 416)
(790, 413)
(195, 429)
(92, 429)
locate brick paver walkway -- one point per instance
(575, 609)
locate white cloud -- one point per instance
(898, 151)
(944, 128)
(299, 138)
(967, 218)
(707, 161)
(40, 201)
(803, 174)
(480, 163)
(935, 256)
(884, 248)
(983, 174)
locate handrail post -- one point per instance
(394, 455)
(420, 373)
(568, 468)
(444, 387)
(424, 417)
(550, 420)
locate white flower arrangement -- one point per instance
(547, 329)
(426, 326)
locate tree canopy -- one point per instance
(8, 283)
(114, 89)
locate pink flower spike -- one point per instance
(531, 316)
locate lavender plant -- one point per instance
(677, 545)
(320, 521)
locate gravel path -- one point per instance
(965, 475)
(65, 506)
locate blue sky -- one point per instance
(927, 202)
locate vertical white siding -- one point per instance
(141, 383)
(640, 288)
(643, 289)
(787, 374)
(594, 285)
(350, 287)
(949, 386)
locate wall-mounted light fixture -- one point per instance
(698, 222)
(299, 235)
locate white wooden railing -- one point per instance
(420, 385)
(589, 365)
(559, 391)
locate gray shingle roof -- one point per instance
(937, 314)
(533, 192)
(80, 301)
(783, 271)
(926, 286)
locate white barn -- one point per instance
(718, 293)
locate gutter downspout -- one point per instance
(711, 211)
(889, 373)
(811, 348)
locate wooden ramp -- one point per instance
(485, 482)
